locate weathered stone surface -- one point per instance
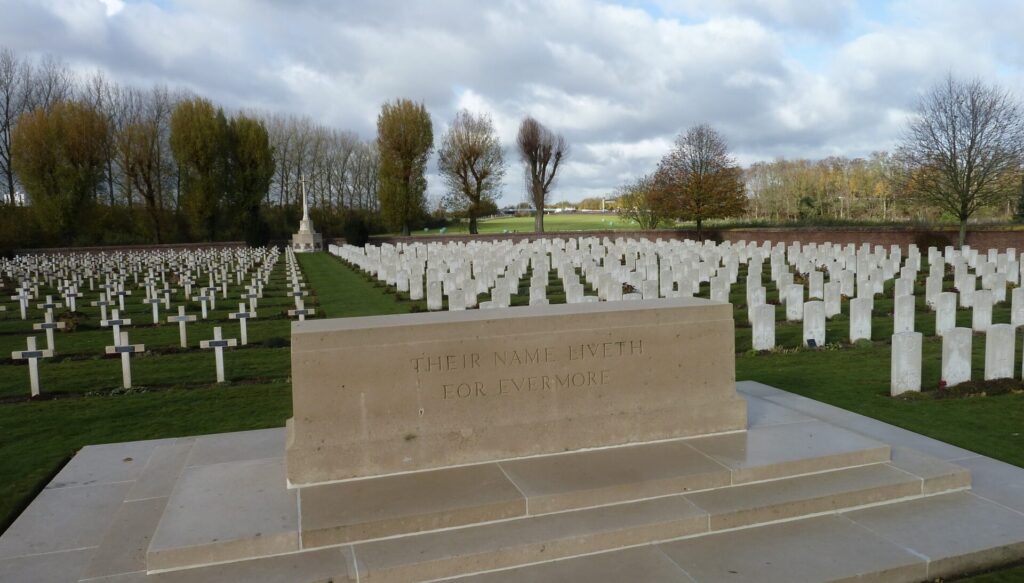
(390, 394)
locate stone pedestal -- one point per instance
(390, 394)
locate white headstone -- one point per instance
(945, 313)
(814, 323)
(764, 327)
(956, 356)
(906, 363)
(981, 311)
(1000, 350)
(860, 318)
(903, 314)
(794, 297)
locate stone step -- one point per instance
(222, 511)
(510, 543)
(925, 539)
(353, 511)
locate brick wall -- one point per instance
(997, 238)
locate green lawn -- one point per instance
(559, 222)
(178, 396)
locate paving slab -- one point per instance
(106, 464)
(996, 481)
(161, 472)
(764, 412)
(123, 548)
(637, 564)
(60, 567)
(62, 519)
(774, 451)
(873, 428)
(956, 532)
(936, 475)
(826, 548)
(334, 565)
(238, 446)
(226, 512)
(581, 479)
(366, 509)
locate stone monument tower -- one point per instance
(307, 239)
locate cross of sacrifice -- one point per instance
(218, 345)
(22, 296)
(202, 300)
(116, 322)
(242, 316)
(182, 320)
(125, 349)
(103, 302)
(32, 355)
(49, 325)
(301, 310)
(49, 305)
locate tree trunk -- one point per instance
(405, 229)
(538, 221)
(700, 230)
(472, 224)
(9, 175)
(963, 232)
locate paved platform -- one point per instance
(809, 493)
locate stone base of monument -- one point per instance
(589, 443)
(809, 493)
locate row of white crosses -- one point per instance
(110, 273)
(296, 286)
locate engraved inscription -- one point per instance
(494, 382)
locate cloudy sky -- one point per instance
(779, 78)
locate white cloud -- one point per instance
(776, 77)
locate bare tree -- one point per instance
(472, 163)
(15, 81)
(542, 152)
(964, 148)
(699, 178)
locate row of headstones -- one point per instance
(608, 266)
(957, 365)
(125, 348)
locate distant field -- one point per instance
(577, 222)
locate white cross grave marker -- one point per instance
(124, 348)
(116, 322)
(300, 310)
(218, 345)
(32, 355)
(242, 316)
(103, 302)
(181, 319)
(49, 325)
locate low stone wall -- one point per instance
(981, 238)
(114, 248)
